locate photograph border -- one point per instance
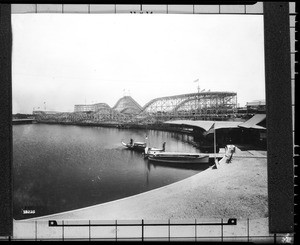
(280, 144)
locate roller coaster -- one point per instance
(201, 105)
(189, 105)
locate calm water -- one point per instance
(59, 168)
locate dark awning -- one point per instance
(208, 126)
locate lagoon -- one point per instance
(58, 168)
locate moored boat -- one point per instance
(149, 151)
(136, 146)
(178, 157)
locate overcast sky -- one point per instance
(60, 60)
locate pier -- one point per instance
(217, 155)
(23, 121)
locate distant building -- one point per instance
(45, 112)
(100, 106)
(93, 107)
(256, 106)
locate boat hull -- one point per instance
(179, 158)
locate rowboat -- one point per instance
(136, 146)
(178, 157)
(149, 151)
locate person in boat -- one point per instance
(131, 142)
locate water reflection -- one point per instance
(187, 166)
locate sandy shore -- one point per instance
(237, 189)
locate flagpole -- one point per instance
(198, 95)
(215, 140)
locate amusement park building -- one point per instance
(92, 107)
(256, 106)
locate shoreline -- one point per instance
(234, 190)
(151, 126)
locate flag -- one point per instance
(210, 131)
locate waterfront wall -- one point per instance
(23, 121)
